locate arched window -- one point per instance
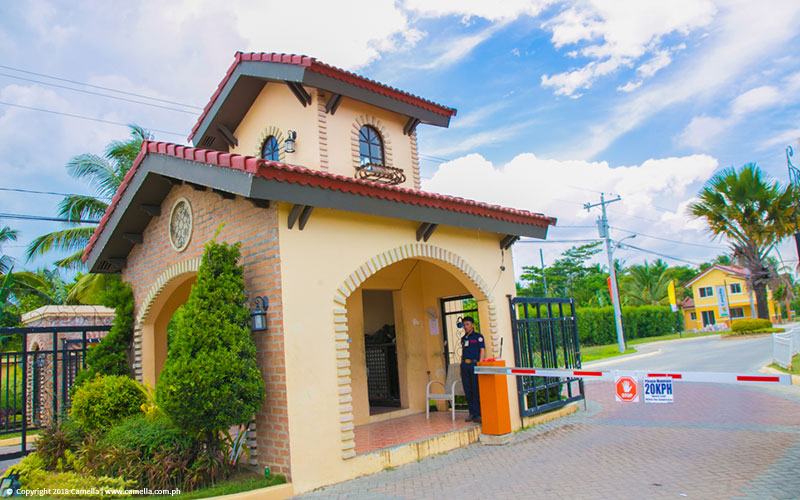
(370, 146)
(270, 149)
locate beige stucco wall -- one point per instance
(321, 372)
(325, 142)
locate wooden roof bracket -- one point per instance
(300, 215)
(333, 103)
(425, 231)
(227, 136)
(509, 240)
(410, 126)
(299, 92)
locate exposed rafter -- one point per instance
(227, 136)
(259, 203)
(425, 231)
(134, 238)
(299, 215)
(118, 262)
(225, 195)
(300, 93)
(151, 210)
(197, 187)
(333, 103)
(410, 126)
(507, 241)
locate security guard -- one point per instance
(473, 350)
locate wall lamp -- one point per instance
(258, 315)
(288, 144)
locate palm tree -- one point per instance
(104, 173)
(6, 234)
(753, 213)
(647, 284)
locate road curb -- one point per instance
(617, 359)
(773, 371)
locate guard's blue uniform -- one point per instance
(471, 346)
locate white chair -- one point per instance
(453, 381)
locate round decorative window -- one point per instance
(180, 225)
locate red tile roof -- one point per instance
(316, 178)
(735, 270)
(318, 66)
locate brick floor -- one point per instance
(396, 431)
(716, 441)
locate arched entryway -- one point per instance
(404, 285)
(170, 291)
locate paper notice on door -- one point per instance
(433, 326)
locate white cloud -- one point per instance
(616, 33)
(725, 56)
(559, 187)
(491, 11)
(755, 99)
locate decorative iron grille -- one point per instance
(380, 173)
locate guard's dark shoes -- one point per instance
(470, 418)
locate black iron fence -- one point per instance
(545, 336)
(36, 380)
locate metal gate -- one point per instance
(545, 336)
(453, 309)
(35, 384)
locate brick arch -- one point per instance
(354, 281)
(188, 266)
(387, 142)
(274, 131)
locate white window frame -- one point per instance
(703, 288)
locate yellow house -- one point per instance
(315, 171)
(721, 296)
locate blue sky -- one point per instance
(556, 101)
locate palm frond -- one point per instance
(8, 234)
(76, 207)
(87, 286)
(98, 171)
(72, 239)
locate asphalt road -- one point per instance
(704, 354)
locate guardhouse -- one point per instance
(315, 171)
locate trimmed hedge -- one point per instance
(751, 325)
(103, 401)
(596, 324)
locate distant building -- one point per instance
(721, 295)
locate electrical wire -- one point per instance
(193, 113)
(86, 118)
(628, 245)
(33, 191)
(666, 239)
(101, 88)
(43, 218)
(533, 240)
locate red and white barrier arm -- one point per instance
(709, 377)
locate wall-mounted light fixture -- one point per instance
(258, 315)
(288, 144)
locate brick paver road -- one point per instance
(715, 441)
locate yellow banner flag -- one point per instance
(673, 302)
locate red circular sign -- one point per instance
(626, 389)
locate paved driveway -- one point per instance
(715, 441)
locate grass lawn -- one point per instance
(230, 487)
(795, 366)
(595, 352)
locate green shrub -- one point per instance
(33, 476)
(110, 357)
(596, 325)
(105, 400)
(11, 390)
(146, 436)
(56, 441)
(211, 380)
(751, 325)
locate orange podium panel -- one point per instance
(494, 401)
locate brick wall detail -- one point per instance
(153, 263)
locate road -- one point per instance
(717, 441)
(705, 354)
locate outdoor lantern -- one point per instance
(288, 144)
(258, 316)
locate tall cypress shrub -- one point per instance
(211, 380)
(110, 357)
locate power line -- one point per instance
(558, 241)
(623, 245)
(49, 219)
(666, 239)
(86, 118)
(33, 191)
(193, 113)
(101, 88)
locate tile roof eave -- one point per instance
(316, 178)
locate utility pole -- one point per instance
(544, 278)
(602, 226)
